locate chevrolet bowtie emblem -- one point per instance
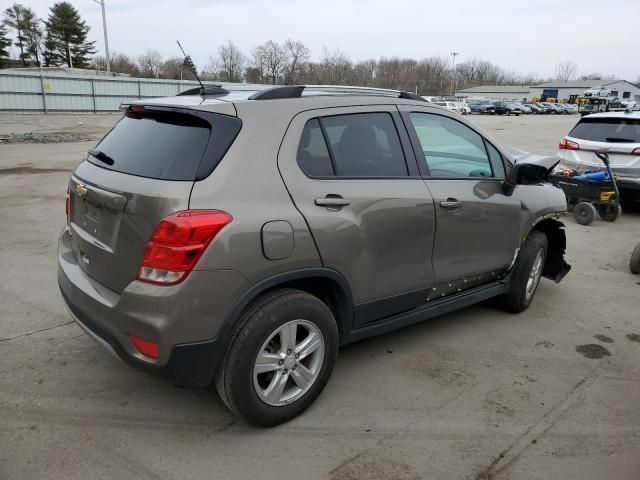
(80, 190)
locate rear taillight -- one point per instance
(636, 151)
(177, 243)
(66, 204)
(568, 145)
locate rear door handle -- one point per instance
(451, 204)
(331, 201)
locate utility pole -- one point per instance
(104, 29)
(453, 75)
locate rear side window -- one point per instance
(313, 155)
(167, 145)
(365, 145)
(614, 129)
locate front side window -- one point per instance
(451, 149)
(496, 161)
(365, 145)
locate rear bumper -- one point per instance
(184, 319)
(189, 364)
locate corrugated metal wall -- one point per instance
(51, 92)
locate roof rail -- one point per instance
(296, 91)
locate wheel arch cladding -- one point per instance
(326, 284)
(555, 267)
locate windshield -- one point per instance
(614, 129)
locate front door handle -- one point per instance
(332, 201)
(450, 204)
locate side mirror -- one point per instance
(524, 174)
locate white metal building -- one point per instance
(496, 92)
(563, 90)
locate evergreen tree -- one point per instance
(66, 37)
(14, 18)
(5, 43)
(33, 35)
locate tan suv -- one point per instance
(242, 237)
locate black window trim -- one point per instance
(419, 153)
(405, 147)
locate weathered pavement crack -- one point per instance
(510, 455)
(36, 331)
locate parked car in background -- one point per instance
(481, 106)
(598, 91)
(451, 106)
(507, 108)
(535, 109)
(546, 108)
(568, 109)
(525, 108)
(554, 108)
(619, 133)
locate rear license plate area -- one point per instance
(91, 218)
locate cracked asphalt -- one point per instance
(478, 394)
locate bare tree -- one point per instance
(365, 72)
(120, 63)
(566, 70)
(335, 68)
(228, 64)
(297, 55)
(175, 69)
(150, 64)
(597, 76)
(270, 59)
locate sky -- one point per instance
(529, 36)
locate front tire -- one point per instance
(280, 357)
(526, 273)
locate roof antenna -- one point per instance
(189, 64)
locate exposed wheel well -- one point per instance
(331, 293)
(555, 267)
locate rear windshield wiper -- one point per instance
(621, 140)
(103, 157)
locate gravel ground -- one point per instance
(478, 394)
(53, 137)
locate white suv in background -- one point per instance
(619, 133)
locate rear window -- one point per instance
(611, 130)
(167, 145)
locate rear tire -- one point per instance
(634, 263)
(608, 212)
(275, 328)
(526, 273)
(584, 213)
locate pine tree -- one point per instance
(33, 34)
(66, 37)
(14, 18)
(5, 43)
